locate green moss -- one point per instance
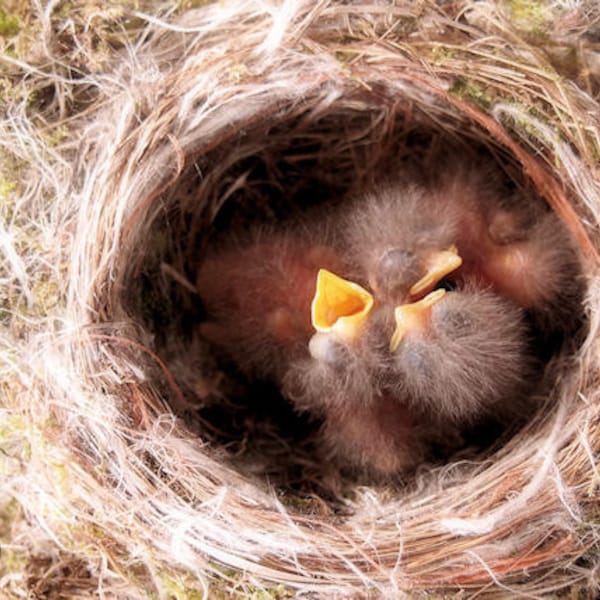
(345, 57)
(530, 16)
(13, 561)
(180, 587)
(13, 444)
(58, 135)
(251, 592)
(6, 188)
(227, 583)
(46, 295)
(9, 24)
(277, 593)
(187, 4)
(469, 90)
(441, 54)
(63, 9)
(9, 512)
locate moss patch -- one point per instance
(530, 16)
(472, 91)
(9, 24)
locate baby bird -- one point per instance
(461, 356)
(364, 427)
(515, 245)
(257, 293)
(399, 241)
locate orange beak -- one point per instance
(339, 306)
(439, 264)
(413, 317)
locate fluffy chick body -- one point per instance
(515, 245)
(257, 294)
(381, 409)
(471, 360)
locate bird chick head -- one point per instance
(413, 316)
(394, 273)
(339, 306)
(400, 273)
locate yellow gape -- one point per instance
(339, 306)
(438, 265)
(413, 317)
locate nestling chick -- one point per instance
(399, 241)
(461, 357)
(515, 245)
(363, 426)
(257, 294)
(380, 439)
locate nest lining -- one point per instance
(300, 109)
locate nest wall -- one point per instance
(244, 111)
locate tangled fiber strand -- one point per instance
(260, 106)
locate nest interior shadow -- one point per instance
(268, 173)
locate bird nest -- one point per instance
(237, 114)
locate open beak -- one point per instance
(339, 306)
(413, 317)
(439, 264)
